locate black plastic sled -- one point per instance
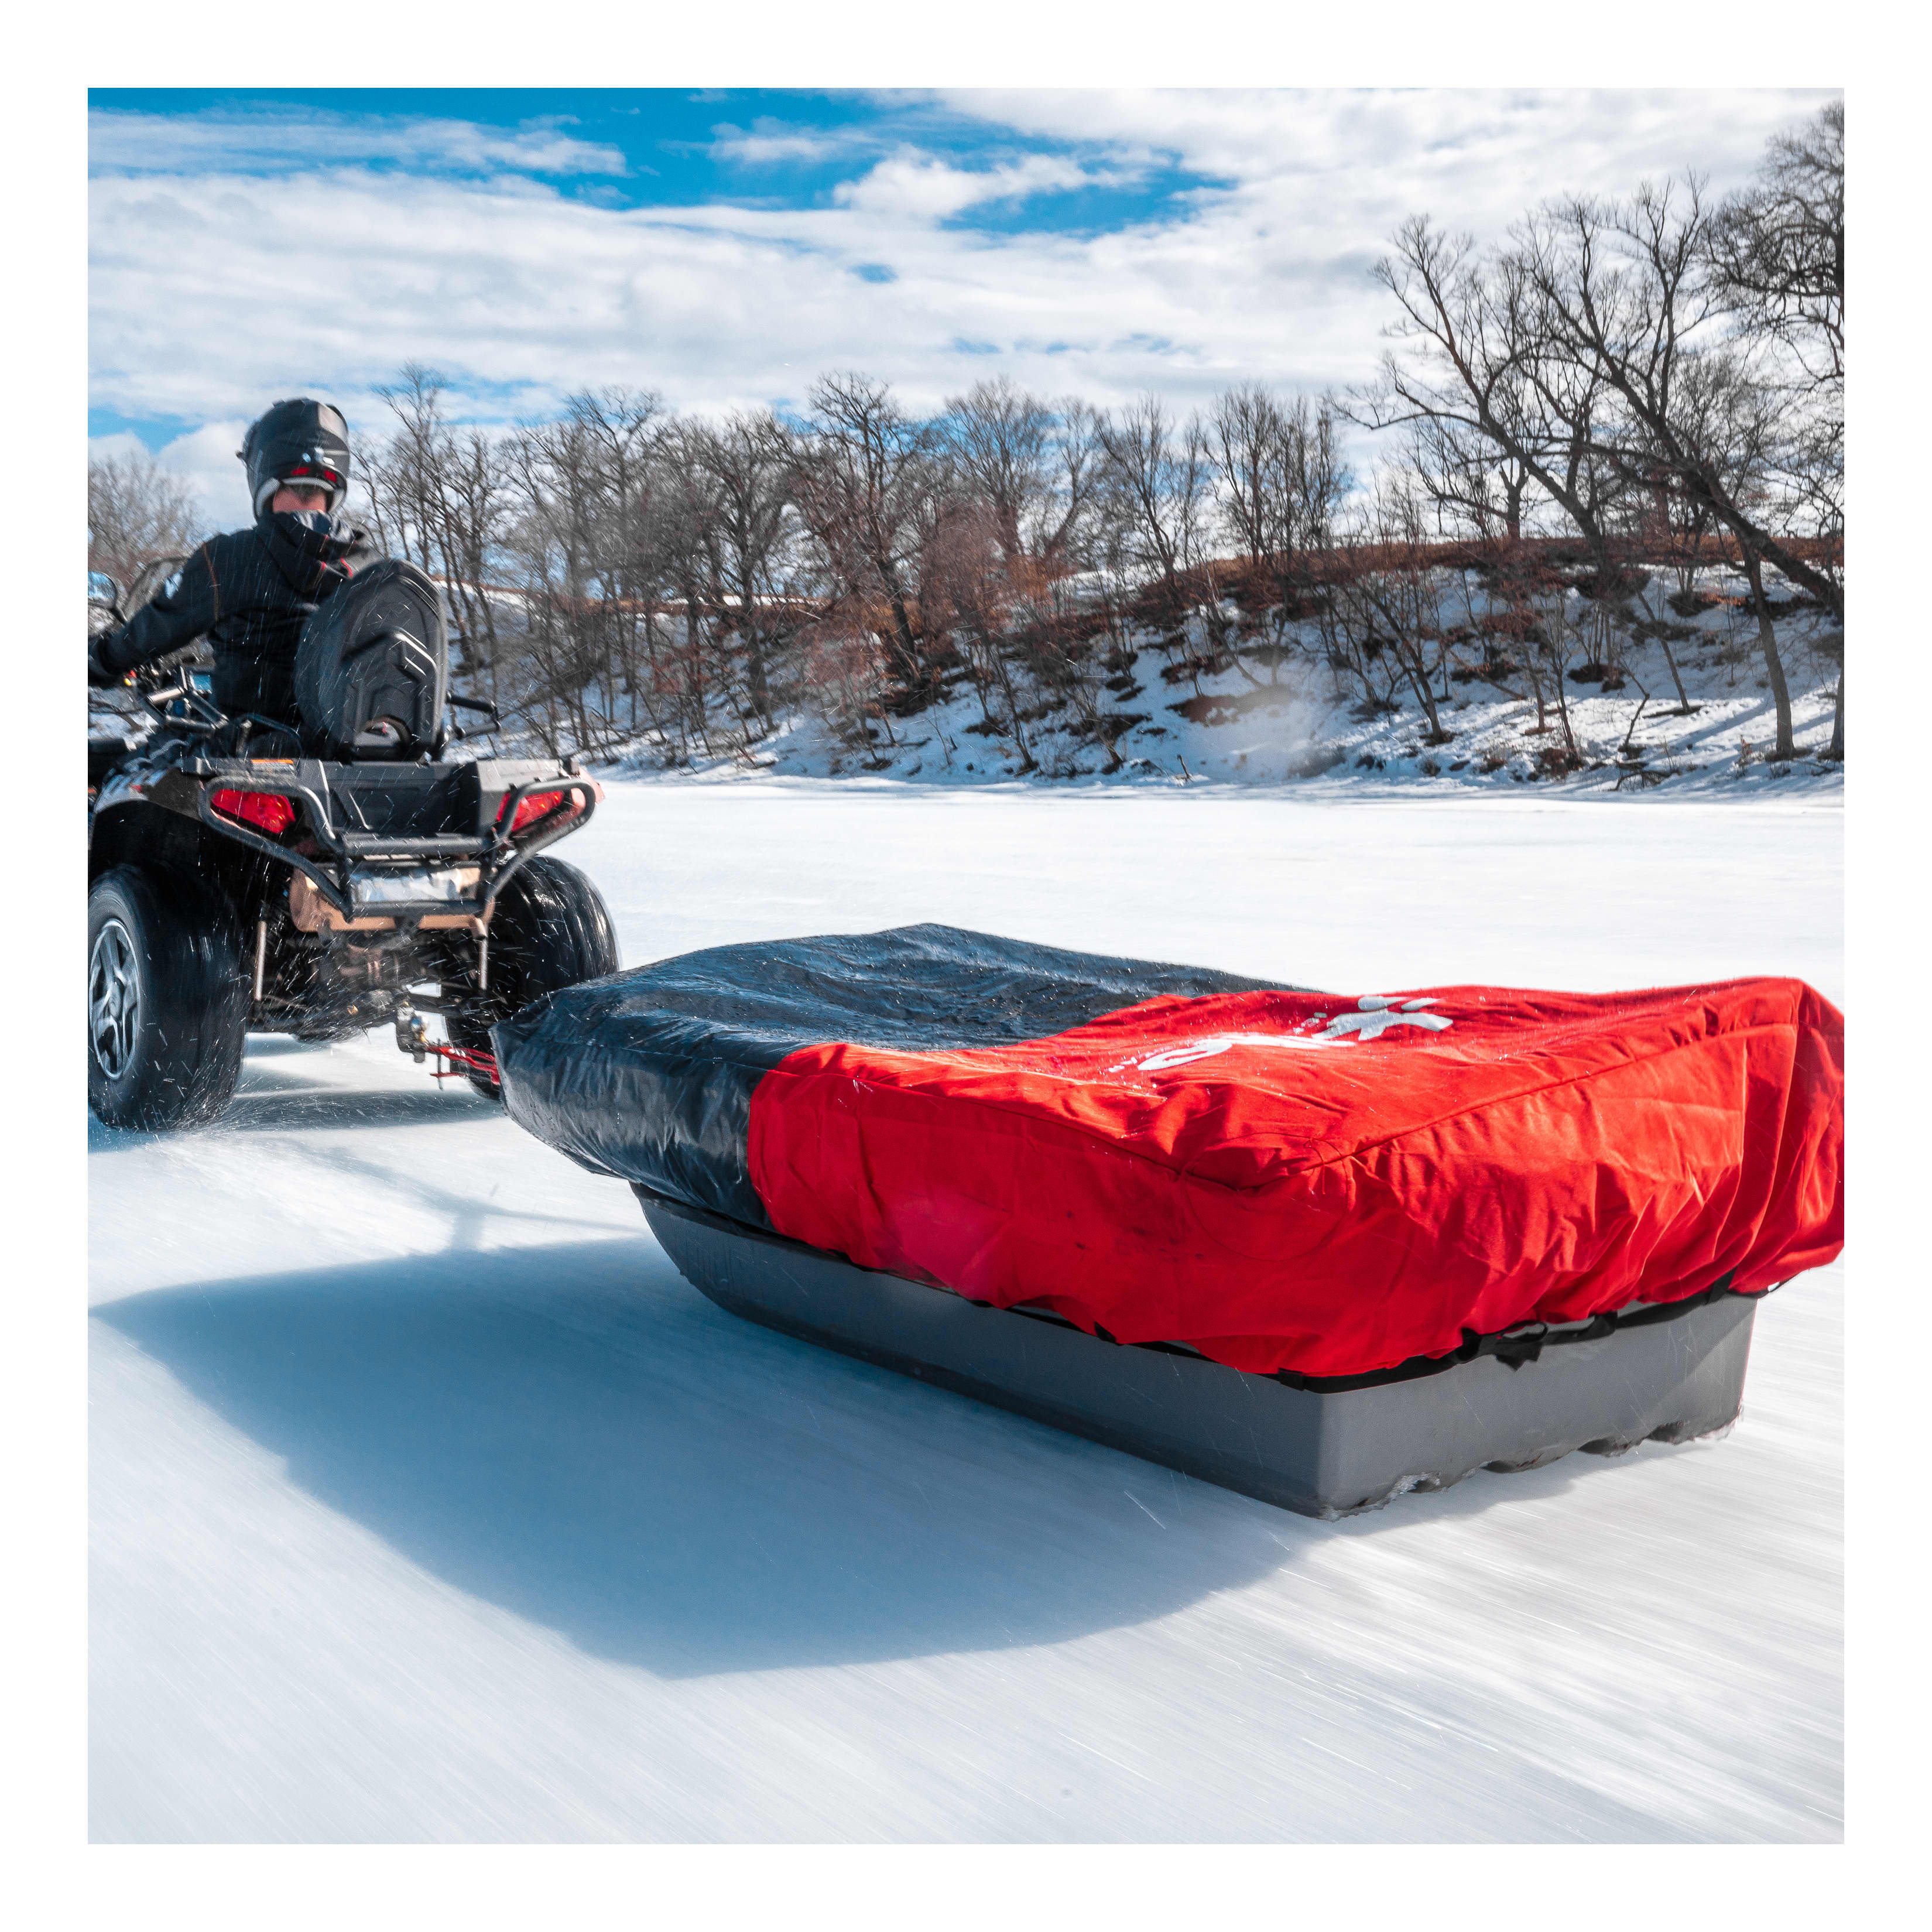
(1323, 1449)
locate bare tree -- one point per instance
(1078, 463)
(1474, 369)
(441, 498)
(1251, 436)
(1478, 490)
(589, 535)
(1625, 303)
(1776, 248)
(846, 679)
(1282, 483)
(1000, 439)
(750, 462)
(1776, 261)
(866, 482)
(1732, 417)
(1388, 598)
(1281, 474)
(970, 582)
(1160, 479)
(138, 514)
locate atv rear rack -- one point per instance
(496, 852)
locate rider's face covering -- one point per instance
(317, 520)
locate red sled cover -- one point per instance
(1329, 1185)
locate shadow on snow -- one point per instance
(569, 1431)
(277, 1103)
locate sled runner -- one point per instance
(1321, 1248)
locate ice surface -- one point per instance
(428, 1502)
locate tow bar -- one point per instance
(465, 1062)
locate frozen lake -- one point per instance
(428, 1502)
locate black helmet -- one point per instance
(301, 441)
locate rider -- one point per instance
(250, 592)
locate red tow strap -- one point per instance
(467, 1061)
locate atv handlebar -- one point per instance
(158, 691)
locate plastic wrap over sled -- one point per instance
(1322, 1187)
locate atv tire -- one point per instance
(167, 1000)
(550, 928)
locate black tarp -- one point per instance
(648, 1075)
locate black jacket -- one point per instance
(249, 593)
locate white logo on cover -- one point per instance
(1375, 1015)
(1378, 1015)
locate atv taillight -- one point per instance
(536, 805)
(269, 811)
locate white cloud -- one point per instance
(909, 186)
(298, 139)
(1478, 158)
(205, 457)
(213, 291)
(768, 142)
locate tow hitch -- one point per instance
(464, 1063)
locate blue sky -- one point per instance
(724, 248)
(665, 147)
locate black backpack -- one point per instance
(372, 669)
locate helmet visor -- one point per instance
(312, 476)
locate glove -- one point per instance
(101, 676)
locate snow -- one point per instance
(429, 1503)
(1310, 731)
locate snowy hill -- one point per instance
(1302, 725)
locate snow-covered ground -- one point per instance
(1309, 727)
(428, 1502)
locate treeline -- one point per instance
(623, 574)
(1617, 391)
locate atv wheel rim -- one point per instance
(113, 1000)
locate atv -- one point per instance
(247, 875)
